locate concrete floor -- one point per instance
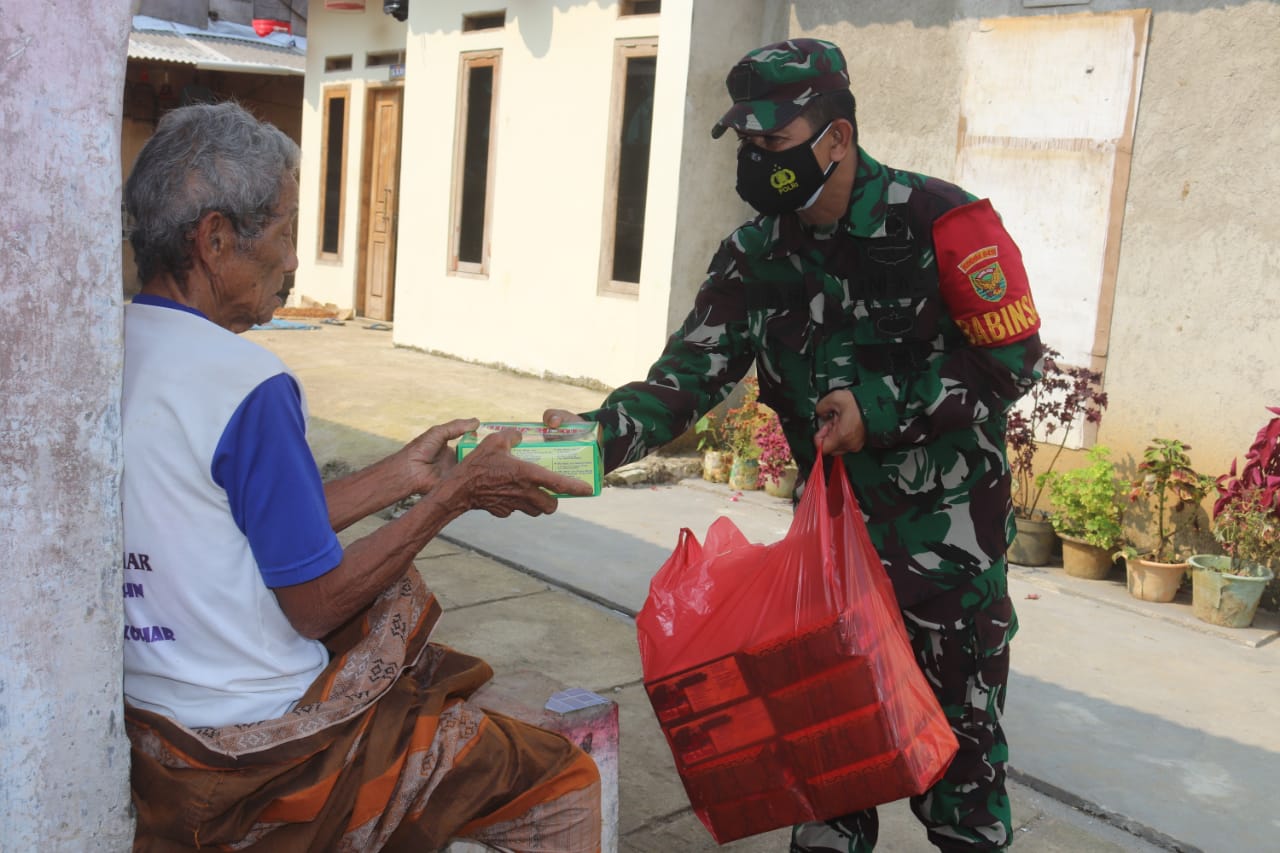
(1150, 729)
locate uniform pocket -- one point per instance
(889, 320)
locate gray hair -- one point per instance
(203, 158)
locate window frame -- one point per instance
(482, 22)
(468, 61)
(623, 51)
(383, 58)
(627, 9)
(327, 94)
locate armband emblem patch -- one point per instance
(983, 269)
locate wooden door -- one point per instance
(383, 170)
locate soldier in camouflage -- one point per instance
(889, 319)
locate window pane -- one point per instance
(640, 7)
(475, 174)
(335, 119)
(484, 21)
(633, 167)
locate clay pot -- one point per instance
(1152, 581)
(1082, 560)
(1033, 543)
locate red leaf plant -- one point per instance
(775, 453)
(1246, 515)
(1065, 393)
(1261, 471)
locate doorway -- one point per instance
(381, 202)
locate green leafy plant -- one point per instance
(1173, 490)
(710, 432)
(1248, 529)
(1064, 395)
(1088, 501)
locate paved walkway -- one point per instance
(1133, 726)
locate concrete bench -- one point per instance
(587, 719)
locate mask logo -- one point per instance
(983, 269)
(775, 182)
(783, 180)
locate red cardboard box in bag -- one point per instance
(782, 675)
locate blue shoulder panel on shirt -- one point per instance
(274, 488)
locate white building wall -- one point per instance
(709, 208)
(1198, 262)
(1190, 350)
(539, 308)
(332, 34)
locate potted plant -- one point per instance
(741, 425)
(1173, 491)
(1227, 589)
(1087, 514)
(778, 470)
(716, 457)
(1065, 395)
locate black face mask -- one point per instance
(781, 181)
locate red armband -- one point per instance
(980, 272)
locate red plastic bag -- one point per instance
(782, 674)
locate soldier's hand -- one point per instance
(842, 430)
(559, 417)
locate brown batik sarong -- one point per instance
(381, 753)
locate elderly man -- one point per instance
(281, 692)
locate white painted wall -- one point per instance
(539, 305)
(1197, 312)
(538, 309)
(64, 758)
(1199, 263)
(1197, 302)
(353, 34)
(1045, 112)
(709, 208)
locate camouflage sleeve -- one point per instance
(964, 387)
(701, 363)
(983, 286)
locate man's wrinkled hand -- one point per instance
(429, 458)
(490, 478)
(842, 430)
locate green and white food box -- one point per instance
(572, 450)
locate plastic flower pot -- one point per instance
(1222, 598)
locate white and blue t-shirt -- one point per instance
(222, 503)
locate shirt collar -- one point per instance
(162, 302)
(867, 202)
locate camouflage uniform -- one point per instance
(858, 305)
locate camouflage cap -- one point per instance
(772, 84)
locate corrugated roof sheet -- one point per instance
(216, 54)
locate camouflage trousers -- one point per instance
(961, 642)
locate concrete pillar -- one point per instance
(64, 758)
